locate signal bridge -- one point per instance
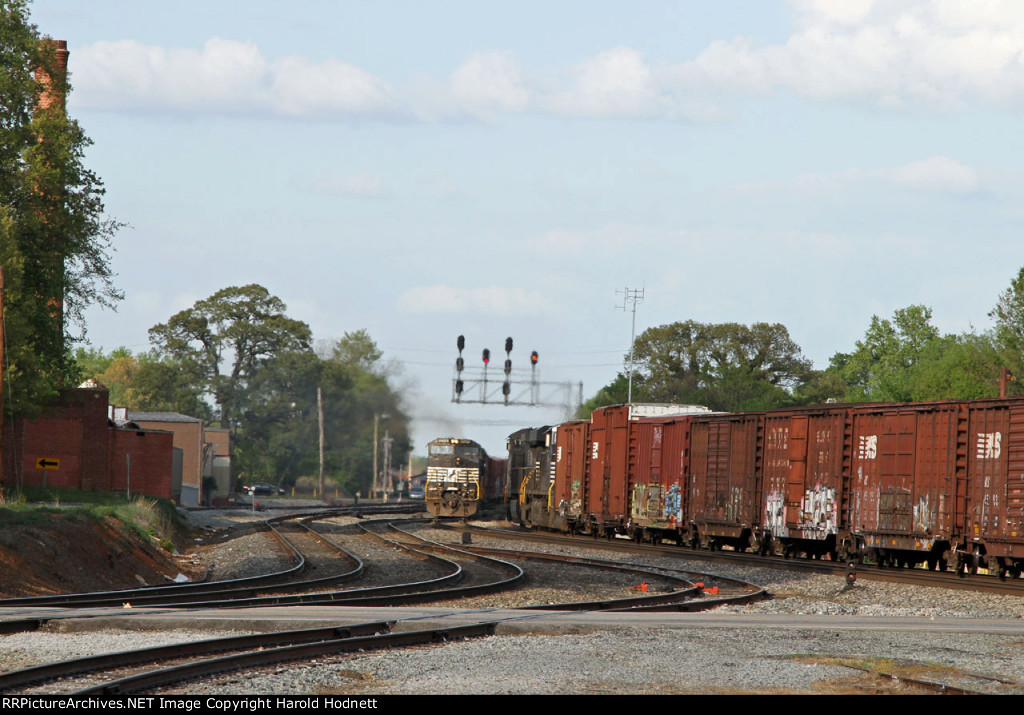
(520, 387)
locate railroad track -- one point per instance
(128, 672)
(981, 583)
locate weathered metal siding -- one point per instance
(660, 480)
(904, 474)
(995, 459)
(571, 455)
(609, 481)
(724, 485)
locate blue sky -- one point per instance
(423, 170)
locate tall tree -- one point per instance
(227, 337)
(906, 359)
(724, 366)
(54, 236)
(1008, 315)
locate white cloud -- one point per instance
(490, 81)
(616, 83)
(225, 76)
(894, 54)
(493, 300)
(357, 185)
(939, 52)
(939, 173)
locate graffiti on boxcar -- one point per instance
(734, 508)
(674, 503)
(818, 510)
(924, 514)
(775, 514)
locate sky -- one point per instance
(425, 170)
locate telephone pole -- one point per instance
(631, 297)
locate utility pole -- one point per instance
(320, 418)
(3, 340)
(634, 297)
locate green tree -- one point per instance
(278, 433)
(905, 359)
(724, 366)
(226, 338)
(54, 236)
(1008, 315)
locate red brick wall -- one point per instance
(75, 431)
(151, 458)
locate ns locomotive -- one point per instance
(936, 483)
(462, 480)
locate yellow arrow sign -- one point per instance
(47, 463)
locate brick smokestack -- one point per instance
(53, 94)
(51, 75)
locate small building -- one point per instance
(74, 444)
(190, 438)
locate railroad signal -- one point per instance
(458, 387)
(487, 356)
(508, 345)
(461, 343)
(508, 367)
(459, 363)
(533, 358)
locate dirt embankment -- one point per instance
(68, 554)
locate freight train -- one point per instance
(935, 483)
(462, 479)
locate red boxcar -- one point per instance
(659, 464)
(572, 467)
(801, 466)
(725, 494)
(993, 493)
(903, 473)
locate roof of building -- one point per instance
(160, 417)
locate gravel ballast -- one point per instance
(671, 657)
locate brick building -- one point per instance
(74, 445)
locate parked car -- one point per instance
(261, 488)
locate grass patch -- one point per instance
(148, 517)
(886, 666)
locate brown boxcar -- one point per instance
(659, 466)
(992, 446)
(572, 467)
(725, 503)
(801, 465)
(606, 499)
(903, 476)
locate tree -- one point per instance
(277, 435)
(54, 237)
(724, 366)
(879, 367)
(1008, 315)
(245, 325)
(906, 359)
